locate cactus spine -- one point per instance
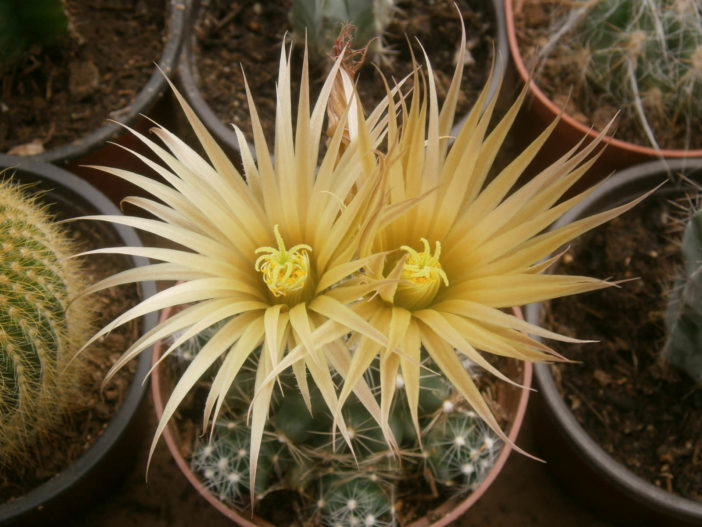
(320, 21)
(644, 57)
(338, 487)
(38, 334)
(683, 319)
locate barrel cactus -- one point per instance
(683, 318)
(338, 483)
(41, 325)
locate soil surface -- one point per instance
(561, 77)
(94, 407)
(55, 95)
(642, 411)
(233, 35)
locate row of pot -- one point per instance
(511, 23)
(647, 499)
(51, 175)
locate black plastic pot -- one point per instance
(145, 99)
(94, 148)
(102, 466)
(582, 466)
(189, 80)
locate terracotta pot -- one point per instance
(582, 465)
(189, 78)
(93, 148)
(542, 110)
(513, 400)
(92, 476)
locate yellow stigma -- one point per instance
(284, 270)
(421, 276)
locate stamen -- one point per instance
(423, 267)
(421, 277)
(284, 270)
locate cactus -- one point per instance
(461, 450)
(39, 331)
(337, 486)
(643, 57)
(320, 22)
(683, 347)
(24, 23)
(355, 499)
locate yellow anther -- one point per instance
(284, 270)
(423, 267)
(421, 277)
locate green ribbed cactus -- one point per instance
(38, 334)
(643, 57)
(460, 450)
(337, 487)
(321, 21)
(683, 318)
(27, 22)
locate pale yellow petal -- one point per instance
(521, 289)
(334, 310)
(443, 325)
(482, 313)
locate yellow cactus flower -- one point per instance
(234, 266)
(490, 245)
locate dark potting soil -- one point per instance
(643, 412)
(562, 80)
(234, 34)
(94, 407)
(58, 94)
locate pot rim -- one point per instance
(445, 516)
(145, 98)
(627, 183)
(514, 6)
(52, 489)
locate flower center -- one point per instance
(284, 270)
(421, 276)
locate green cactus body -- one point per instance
(23, 23)
(461, 450)
(338, 487)
(37, 336)
(320, 22)
(644, 57)
(683, 347)
(224, 462)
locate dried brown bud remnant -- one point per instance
(343, 91)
